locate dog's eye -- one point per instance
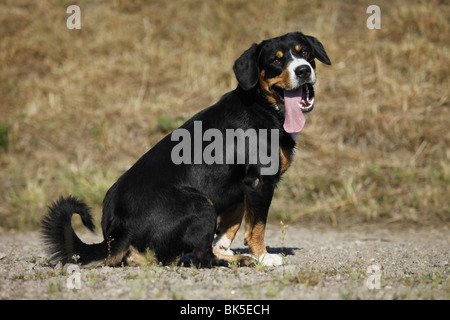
(305, 53)
(276, 62)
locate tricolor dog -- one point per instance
(175, 207)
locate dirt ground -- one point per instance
(371, 262)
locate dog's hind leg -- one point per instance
(201, 223)
(199, 226)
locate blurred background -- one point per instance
(79, 107)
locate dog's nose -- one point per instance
(303, 72)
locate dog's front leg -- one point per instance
(229, 224)
(257, 201)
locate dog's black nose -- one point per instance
(303, 72)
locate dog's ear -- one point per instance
(246, 68)
(317, 48)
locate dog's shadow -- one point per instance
(189, 259)
(283, 251)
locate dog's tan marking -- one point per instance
(298, 48)
(134, 258)
(282, 81)
(238, 258)
(255, 240)
(254, 232)
(286, 159)
(231, 220)
(279, 54)
(130, 257)
(210, 202)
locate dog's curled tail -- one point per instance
(61, 240)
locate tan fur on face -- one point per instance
(282, 81)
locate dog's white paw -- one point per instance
(222, 245)
(270, 260)
(222, 250)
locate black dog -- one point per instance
(171, 206)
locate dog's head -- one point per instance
(284, 69)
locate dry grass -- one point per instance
(78, 107)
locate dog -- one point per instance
(174, 208)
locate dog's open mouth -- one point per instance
(307, 96)
(297, 102)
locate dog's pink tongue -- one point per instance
(294, 120)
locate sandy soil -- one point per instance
(320, 263)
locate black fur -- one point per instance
(170, 208)
(62, 241)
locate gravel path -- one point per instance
(320, 263)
